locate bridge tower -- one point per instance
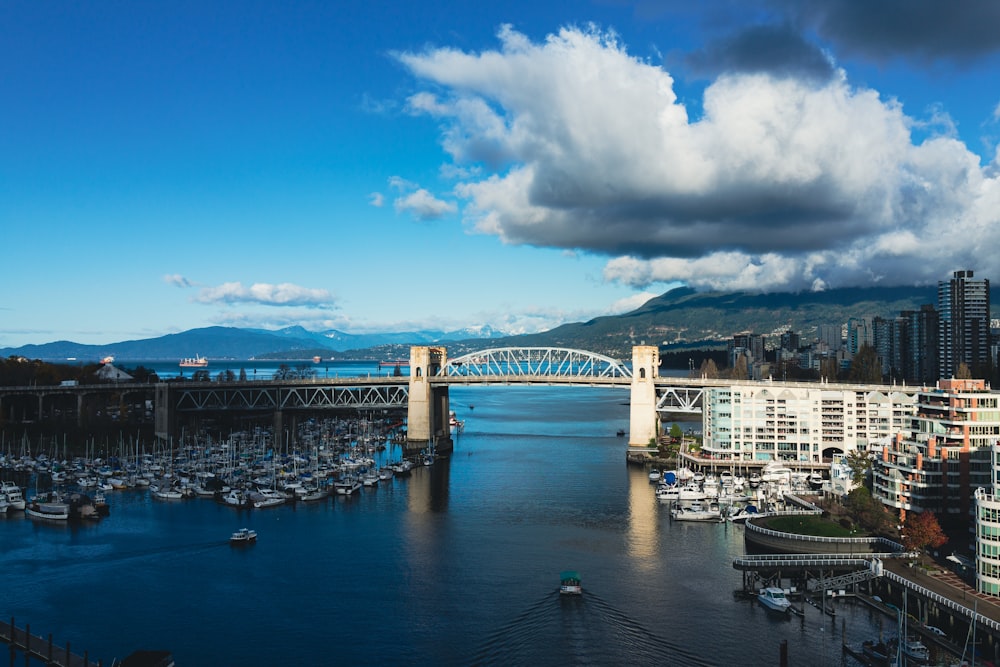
(643, 420)
(428, 411)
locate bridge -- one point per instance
(423, 394)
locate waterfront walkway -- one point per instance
(948, 585)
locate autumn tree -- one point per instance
(922, 530)
(963, 372)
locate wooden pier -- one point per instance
(35, 647)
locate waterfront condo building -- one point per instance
(947, 452)
(800, 422)
(987, 541)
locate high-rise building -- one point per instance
(919, 344)
(964, 331)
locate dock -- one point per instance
(40, 648)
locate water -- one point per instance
(456, 565)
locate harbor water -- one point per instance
(456, 564)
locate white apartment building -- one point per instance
(801, 422)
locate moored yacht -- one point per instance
(774, 599)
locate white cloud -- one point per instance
(376, 199)
(782, 183)
(284, 294)
(424, 206)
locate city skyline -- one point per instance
(385, 167)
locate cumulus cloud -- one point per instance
(784, 182)
(284, 294)
(376, 199)
(177, 280)
(418, 201)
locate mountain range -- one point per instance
(681, 318)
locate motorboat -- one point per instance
(774, 598)
(654, 475)
(12, 493)
(914, 651)
(743, 513)
(697, 512)
(569, 583)
(666, 493)
(266, 498)
(243, 536)
(346, 486)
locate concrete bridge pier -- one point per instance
(164, 425)
(644, 424)
(427, 414)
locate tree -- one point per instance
(868, 512)
(963, 372)
(859, 463)
(865, 367)
(709, 370)
(922, 530)
(675, 432)
(828, 368)
(740, 369)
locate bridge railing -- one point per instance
(535, 362)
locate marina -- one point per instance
(416, 546)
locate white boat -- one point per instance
(569, 583)
(691, 492)
(914, 651)
(654, 475)
(697, 512)
(243, 536)
(402, 467)
(47, 508)
(346, 486)
(667, 494)
(313, 493)
(815, 480)
(235, 498)
(11, 492)
(262, 498)
(774, 599)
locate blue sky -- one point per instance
(377, 166)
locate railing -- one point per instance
(945, 602)
(895, 546)
(535, 362)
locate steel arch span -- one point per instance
(535, 362)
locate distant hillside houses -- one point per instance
(916, 347)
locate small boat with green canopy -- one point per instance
(569, 583)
